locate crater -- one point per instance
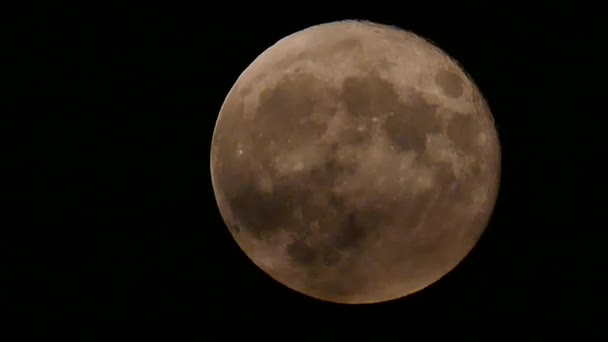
(450, 83)
(408, 125)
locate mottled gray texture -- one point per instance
(349, 173)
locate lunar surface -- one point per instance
(355, 162)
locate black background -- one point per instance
(117, 227)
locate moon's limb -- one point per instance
(355, 162)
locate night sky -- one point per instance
(115, 227)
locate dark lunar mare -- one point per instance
(450, 83)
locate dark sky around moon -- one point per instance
(116, 223)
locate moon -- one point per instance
(355, 162)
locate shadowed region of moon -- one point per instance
(355, 162)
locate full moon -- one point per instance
(355, 162)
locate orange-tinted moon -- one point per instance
(355, 162)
